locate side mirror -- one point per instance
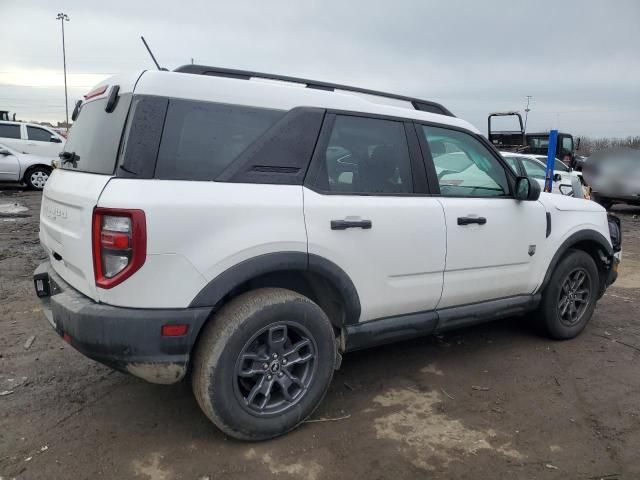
(557, 177)
(4, 152)
(55, 139)
(527, 189)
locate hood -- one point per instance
(569, 204)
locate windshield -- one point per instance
(95, 136)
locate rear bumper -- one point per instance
(127, 339)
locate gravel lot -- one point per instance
(495, 401)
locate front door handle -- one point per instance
(470, 220)
(344, 224)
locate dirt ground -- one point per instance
(495, 401)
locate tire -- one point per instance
(574, 281)
(234, 365)
(37, 176)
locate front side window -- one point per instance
(465, 167)
(533, 168)
(38, 134)
(513, 164)
(567, 144)
(201, 139)
(558, 165)
(366, 155)
(8, 130)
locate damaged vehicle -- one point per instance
(250, 229)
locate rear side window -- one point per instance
(366, 155)
(95, 137)
(201, 139)
(38, 134)
(9, 131)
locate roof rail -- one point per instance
(423, 105)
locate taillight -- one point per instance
(119, 244)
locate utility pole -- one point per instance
(526, 112)
(64, 18)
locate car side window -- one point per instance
(8, 130)
(465, 167)
(533, 168)
(201, 139)
(366, 155)
(38, 134)
(513, 164)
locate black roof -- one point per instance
(418, 104)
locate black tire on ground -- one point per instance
(263, 363)
(570, 298)
(37, 176)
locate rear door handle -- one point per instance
(470, 220)
(344, 224)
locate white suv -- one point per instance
(31, 138)
(251, 228)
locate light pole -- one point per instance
(64, 18)
(526, 113)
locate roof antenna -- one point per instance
(152, 57)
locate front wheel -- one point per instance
(263, 363)
(570, 298)
(36, 177)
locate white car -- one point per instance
(33, 170)
(252, 232)
(31, 138)
(565, 181)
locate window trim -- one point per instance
(431, 169)
(419, 180)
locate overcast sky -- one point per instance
(579, 60)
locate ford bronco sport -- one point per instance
(249, 229)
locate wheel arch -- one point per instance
(32, 167)
(589, 241)
(310, 275)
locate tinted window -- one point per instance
(201, 139)
(366, 155)
(533, 168)
(9, 131)
(38, 134)
(95, 136)
(470, 170)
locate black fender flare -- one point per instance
(217, 288)
(577, 237)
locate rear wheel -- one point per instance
(263, 363)
(570, 298)
(37, 176)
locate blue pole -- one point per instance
(551, 157)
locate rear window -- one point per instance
(9, 131)
(95, 137)
(201, 139)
